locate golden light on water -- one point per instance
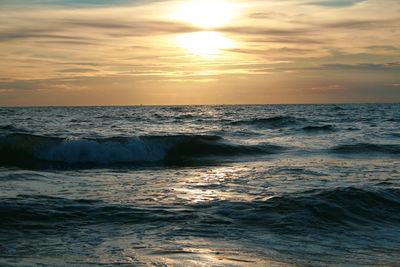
(205, 44)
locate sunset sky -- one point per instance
(130, 52)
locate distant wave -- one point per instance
(272, 122)
(393, 120)
(395, 134)
(318, 210)
(367, 148)
(10, 128)
(323, 128)
(25, 149)
(337, 108)
(6, 127)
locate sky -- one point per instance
(132, 52)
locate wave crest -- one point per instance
(367, 148)
(321, 210)
(318, 210)
(323, 128)
(25, 149)
(272, 122)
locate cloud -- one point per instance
(7, 90)
(289, 40)
(79, 63)
(64, 32)
(74, 3)
(383, 47)
(32, 34)
(252, 30)
(390, 67)
(265, 15)
(66, 43)
(136, 28)
(337, 3)
(14, 85)
(365, 66)
(277, 52)
(334, 87)
(364, 24)
(78, 70)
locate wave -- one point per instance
(367, 148)
(272, 122)
(6, 127)
(10, 128)
(393, 120)
(39, 211)
(26, 149)
(395, 134)
(337, 108)
(323, 128)
(319, 210)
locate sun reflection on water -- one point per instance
(211, 186)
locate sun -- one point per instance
(205, 44)
(205, 13)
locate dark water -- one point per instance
(275, 185)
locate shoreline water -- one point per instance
(300, 185)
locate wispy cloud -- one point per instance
(365, 66)
(7, 90)
(74, 3)
(77, 70)
(333, 87)
(337, 3)
(265, 31)
(137, 28)
(383, 47)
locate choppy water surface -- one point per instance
(279, 185)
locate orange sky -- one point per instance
(198, 52)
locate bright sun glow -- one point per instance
(204, 44)
(205, 13)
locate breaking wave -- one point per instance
(26, 149)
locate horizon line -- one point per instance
(174, 105)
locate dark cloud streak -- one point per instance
(263, 31)
(77, 70)
(337, 3)
(364, 66)
(62, 31)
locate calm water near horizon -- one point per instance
(246, 185)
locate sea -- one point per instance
(228, 185)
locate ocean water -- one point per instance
(259, 185)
